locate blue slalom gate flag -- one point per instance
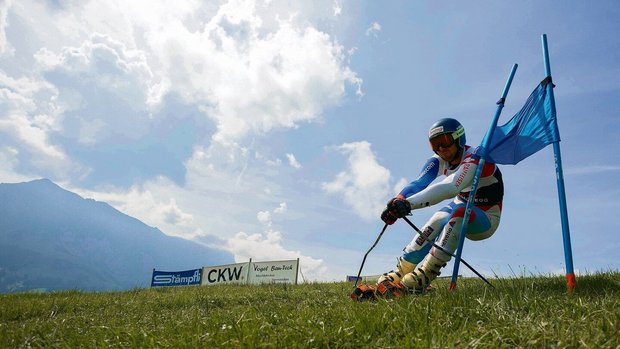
(531, 129)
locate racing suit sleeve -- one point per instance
(427, 176)
(447, 188)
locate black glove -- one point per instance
(399, 207)
(388, 217)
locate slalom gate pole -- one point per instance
(568, 254)
(446, 252)
(480, 153)
(366, 255)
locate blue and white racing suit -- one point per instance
(445, 225)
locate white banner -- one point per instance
(273, 272)
(225, 274)
(252, 273)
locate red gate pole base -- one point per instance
(570, 282)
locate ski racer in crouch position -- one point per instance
(455, 160)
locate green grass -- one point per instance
(521, 312)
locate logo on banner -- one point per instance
(176, 278)
(273, 272)
(251, 273)
(226, 274)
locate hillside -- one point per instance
(54, 239)
(518, 313)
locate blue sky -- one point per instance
(279, 129)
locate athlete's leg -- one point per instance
(418, 248)
(481, 229)
(481, 226)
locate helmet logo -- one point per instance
(435, 131)
(459, 132)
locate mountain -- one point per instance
(53, 239)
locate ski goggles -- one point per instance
(444, 141)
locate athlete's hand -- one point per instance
(388, 217)
(399, 207)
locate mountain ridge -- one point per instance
(54, 239)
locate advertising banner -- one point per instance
(225, 274)
(175, 278)
(273, 272)
(363, 278)
(353, 278)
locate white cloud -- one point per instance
(105, 62)
(264, 217)
(223, 165)
(29, 96)
(586, 170)
(102, 71)
(337, 8)
(195, 213)
(153, 203)
(29, 116)
(374, 29)
(9, 160)
(364, 184)
(32, 134)
(268, 246)
(250, 66)
(171, 214)
(281, 209)
(251, 78)
(292, 161)
(5, 5)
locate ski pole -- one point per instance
(444, 251)
(366, 255)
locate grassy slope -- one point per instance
(523, 312)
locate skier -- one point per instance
(455, 160)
